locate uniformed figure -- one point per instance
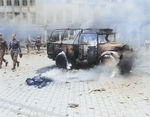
(38, 43)
(15, 49)
(3, 47)
(28, 43)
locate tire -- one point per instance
(125, 65)
(61, 61)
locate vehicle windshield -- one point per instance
(88, 39)
(102, 38)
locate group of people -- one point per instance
(37, 43)
(15, 49)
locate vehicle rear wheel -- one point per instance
(61, 61)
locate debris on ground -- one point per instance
(122, 102)
(38, 81)
(80, 94)
(128, 85)
(91, 108)
(73, 105)
(97, 90)
(141, 93)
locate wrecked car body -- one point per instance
(85, 47)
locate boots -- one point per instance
(18, 64)
(14, 63)
(6, 63)
(13, 67)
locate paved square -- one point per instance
(75, 97)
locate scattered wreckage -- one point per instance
(86, 47)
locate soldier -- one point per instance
(38, 43)
(15, 49)
(28, 43)
(3, 47)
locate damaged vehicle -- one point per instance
(88, 47)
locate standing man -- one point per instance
(38, 43)
(3, 47)
(15, 49)
(28, 43)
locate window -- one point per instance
(93, 5)
(89, 39)
(105, 0)
(24, 2)
(103, 6)
(68, 1)
(16, 2)
(24, 16)
(17, 15)
(32, 2)
(59, 17)
(1, 3)
(68, 37)
(114, 0)
(33, 18)
(8, 2)
(50, 19)
(1, 15)
(69, 16)
(102, 38)
(9, 16)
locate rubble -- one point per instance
(73, 105)
(97, 90)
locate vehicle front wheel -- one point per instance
(61, 61)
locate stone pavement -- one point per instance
(104, 97)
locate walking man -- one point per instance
(15, 49)
(3, 47)
(28, 43)
(38, 43)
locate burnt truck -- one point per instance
(87, 47)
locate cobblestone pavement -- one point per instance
(104, 97)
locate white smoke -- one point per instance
(129, 18)
(91, 74)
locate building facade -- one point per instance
(21, 10)
(38, 17)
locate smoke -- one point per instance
(128, 18)
(91, 74)
(22, 32)
(142, 63)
